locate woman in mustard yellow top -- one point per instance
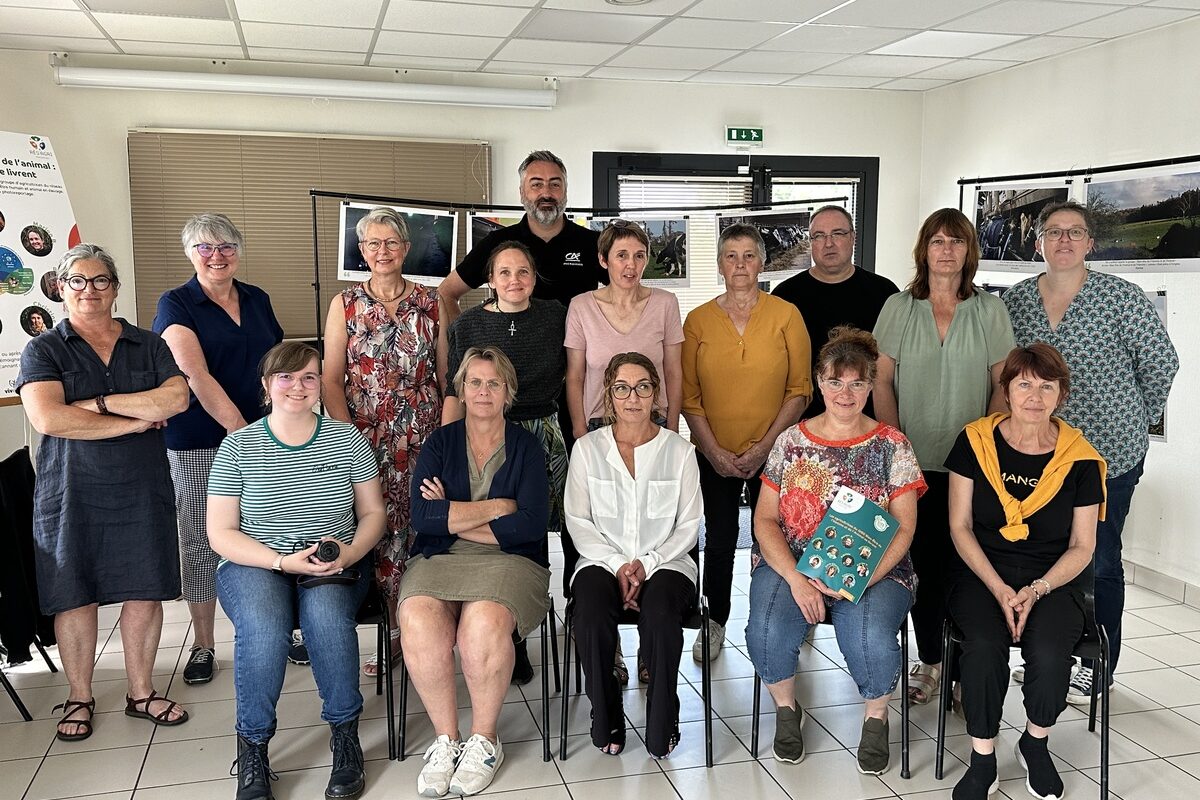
(746, 378)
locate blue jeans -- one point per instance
(264, 606)
(867, 633)
(1110, 574)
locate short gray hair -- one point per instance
(209, 225)
(86, 252)
(382, 215)
(1089, 220)
(503, 366)
(741, 230)
(541, 155)
(849, 217)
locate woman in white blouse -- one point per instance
(633, 510)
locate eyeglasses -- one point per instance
(622, 223)
(835, 385)
(1075, 234)
(99, 283)
(939, 243)
(207, 250)
(287, 380)
(834, 236)
(374, 244)
(475, 384)
(621, 390)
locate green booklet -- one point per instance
(846, 546)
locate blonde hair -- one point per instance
(499, 361)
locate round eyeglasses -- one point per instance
(99, 283)
(622, 390)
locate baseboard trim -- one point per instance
(1179, 590)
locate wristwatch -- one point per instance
(277, 565)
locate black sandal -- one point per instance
(83, 727)
(161, 718)
(616, 739)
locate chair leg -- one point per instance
(12, 693)
(754, 715)
(49, 662)
(945, 697)
(566, 695)
(706, 688)
(379, 659)
(546, 687)
(403, 722)
(905, 772)
(385, 629)
(1104, 670)
(554, 647)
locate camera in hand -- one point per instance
(328, 550)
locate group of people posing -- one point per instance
(1006, 436)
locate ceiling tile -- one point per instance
(59, 4)
(211, 9)
(684, 58)
(792, 11)
(426, 62)
(965, 68)
(263, 34)
(580, 26)
(46, 22)
(180, 49)
(1028, 16)
(418, 15)
(343, 13)
(522, 3)
(1038, 47)
(436, 44)
(890, 14)
(762, 78)
(532, 68)
(168, 29)
(534, 50)
(714, 33)
(659, 8)
(1175, 3)
(791, 63)
(48, 44)
(1128, 20)
(835, 39)
(623, 73)
(948, 44)
(835, 82)
(912, 84)
(305, 56)
(883, 66)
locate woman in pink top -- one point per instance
(624, 316)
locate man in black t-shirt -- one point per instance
(833, 291)
(564, 253)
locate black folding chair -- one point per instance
(904, 770)
(1093, 645)
(374, 611)
(697, 619)
(547, 624)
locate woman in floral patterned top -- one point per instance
(810, 462)
(385, 359)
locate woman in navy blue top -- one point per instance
(218, 329)
(99, 391)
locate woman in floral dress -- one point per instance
(385, 355)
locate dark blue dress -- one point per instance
(104, 510)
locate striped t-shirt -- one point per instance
(292, 496)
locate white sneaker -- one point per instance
(477, 766)
(1079, 690)
(440, 760)
(716, 638)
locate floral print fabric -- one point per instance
(394, 399)
(807, 471)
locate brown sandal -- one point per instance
(161, 718)
(83, 727)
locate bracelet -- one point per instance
(101, 406)
(1033, 585)
(277, 565)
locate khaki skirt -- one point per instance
(472, 571)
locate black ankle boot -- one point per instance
(254, 773)
(347, 779)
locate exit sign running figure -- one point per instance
(743, 137)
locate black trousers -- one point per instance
(722, 502)
(1054, 627)
(665, 598)
(935, 560)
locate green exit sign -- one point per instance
(743, 137)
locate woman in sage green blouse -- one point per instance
(942, 343)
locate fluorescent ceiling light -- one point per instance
(437, 94)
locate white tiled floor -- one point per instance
(1155, 730)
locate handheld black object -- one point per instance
(328, 550)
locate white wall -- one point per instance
(88, 131)
(1126, 101)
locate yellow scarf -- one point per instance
(1071, 447)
